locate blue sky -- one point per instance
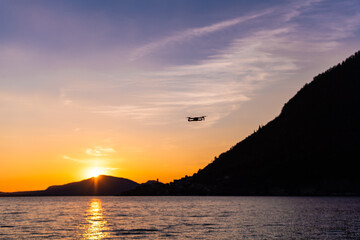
(122, 70)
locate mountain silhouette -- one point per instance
(311, 148)
(95, 186)
(101, 185)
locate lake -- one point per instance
(180, 218)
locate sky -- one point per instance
(107, 85)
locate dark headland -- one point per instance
(311, 148)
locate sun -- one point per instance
(95, 172)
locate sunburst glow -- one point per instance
(95, 172)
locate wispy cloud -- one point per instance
(192, 33)
(291, 12)
(93, 161)
(99, 151)
(298, 8)
(74, 159)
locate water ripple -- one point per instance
(180, 218)
(134, 231)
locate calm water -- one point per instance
(179, 218)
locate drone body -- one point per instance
(196, 119)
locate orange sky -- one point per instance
(41, 157)
(56, 150)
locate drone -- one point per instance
(196, 119)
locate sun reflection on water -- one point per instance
(97, 226)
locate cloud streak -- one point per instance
(192, 33)
(99, 151)
(74, 159)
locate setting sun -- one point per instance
(95, 172)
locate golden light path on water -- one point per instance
(96, 223)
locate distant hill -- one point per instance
(150, 188)
(101, 185)
(311, 148)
